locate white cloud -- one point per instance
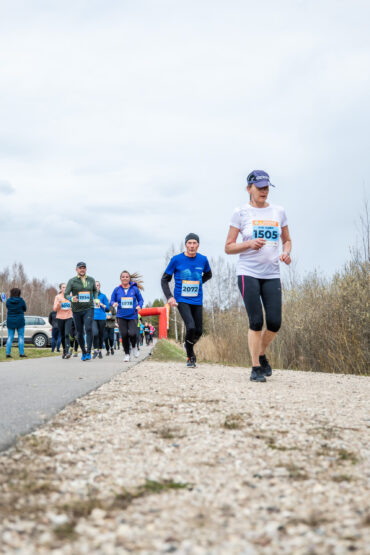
(125, 125)
(6, 188)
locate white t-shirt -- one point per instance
(265, 223)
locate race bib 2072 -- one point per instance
(189, 288)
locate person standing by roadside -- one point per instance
(16, 307)
(128, 301)
(63, 309)
(191, 271)
(56, 338)
(262, 226)
(110, 324)
(83, 291)
(101, 306)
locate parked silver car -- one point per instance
(36, 331)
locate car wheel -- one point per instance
(40, 340)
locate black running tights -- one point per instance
(127, 330)
(98, 333)
(83, 323)
(109, 338)
(193, 319)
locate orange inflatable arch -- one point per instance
(164, 313)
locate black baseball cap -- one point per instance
(81, 265)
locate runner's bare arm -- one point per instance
(232, 247)
(287, 245)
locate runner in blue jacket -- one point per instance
(101, 306)
(128, 301)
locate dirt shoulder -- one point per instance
(167, 459)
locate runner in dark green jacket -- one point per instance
(82, 290)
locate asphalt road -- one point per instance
(32, 391)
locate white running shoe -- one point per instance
(136, 352)
(127, 358)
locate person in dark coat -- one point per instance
(16, 308)
(56, 338)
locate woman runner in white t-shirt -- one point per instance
(261, 226)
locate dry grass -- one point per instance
(295, 472)
(234, 421)
(325, 327)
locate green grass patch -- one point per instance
(31, 352)
(165, 351)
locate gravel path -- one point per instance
(165, 459)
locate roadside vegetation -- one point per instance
(31, 352)
(165, 351)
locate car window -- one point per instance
(31, 321)
(40, 321)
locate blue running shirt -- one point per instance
(188, 277)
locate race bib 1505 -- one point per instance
(266, 229)
(127, 302)
(189, 288)
(84, 297)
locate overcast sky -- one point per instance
(124, 125)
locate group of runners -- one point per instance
(82, 304)
(261, 225)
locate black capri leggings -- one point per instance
(193, 319)
(65, 329)
(255, 290)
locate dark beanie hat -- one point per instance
(191, 236)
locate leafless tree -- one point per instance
(38, 294)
